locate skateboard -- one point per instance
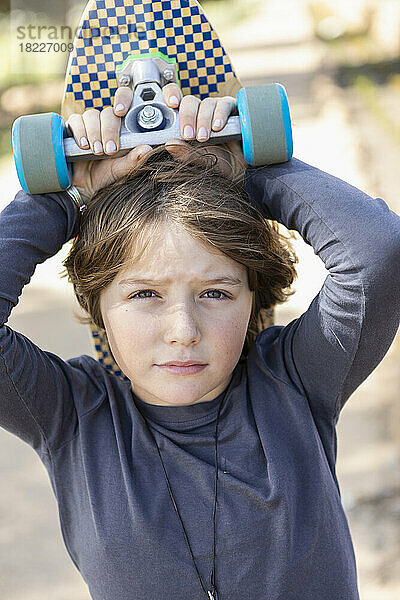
(146, 44)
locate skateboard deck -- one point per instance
(112, 30)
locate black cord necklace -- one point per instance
(210, 594)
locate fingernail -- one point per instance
(119, 108)
(188, 132)
(97, 147)
(173, 100)
(84, 142)
(202, 133)
(110, 146)
(217, 123)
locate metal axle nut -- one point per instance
(168, 74)
(150, 117)
(125, 80)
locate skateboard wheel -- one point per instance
(265, 122)
(39, 157)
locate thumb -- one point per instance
(178, 148)
(121, 166)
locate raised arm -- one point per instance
(41, 395)
(35, 386)
(349, 326)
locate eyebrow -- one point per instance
(225, 280)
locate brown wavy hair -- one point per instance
(216, 210)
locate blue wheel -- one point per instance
(265, 122)
(39, 157)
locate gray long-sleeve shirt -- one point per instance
(281, 530)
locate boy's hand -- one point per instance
(197, 118)
(100, 132)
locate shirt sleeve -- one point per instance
(36, 387)
(349, 326)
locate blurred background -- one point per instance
(340, 64)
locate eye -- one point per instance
(135, 296)
(218, 292)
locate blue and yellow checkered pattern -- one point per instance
(113, 29)
(104, 354)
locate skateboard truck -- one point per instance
(43, 153)
(149, 120)
(146, 77)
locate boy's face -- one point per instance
(177, 320)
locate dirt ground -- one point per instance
(332, 131)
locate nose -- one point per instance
(182, 327)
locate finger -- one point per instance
(205, 118)
(177, 148)
(188, 116)
(110, 127)
(225, 106)
(181, 150)
(172, 94)
(122, 166)
(76, 126)
(122, 100)
(91, 119)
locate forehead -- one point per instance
(170, 251)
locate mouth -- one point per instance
(181, 363)
(183, 370)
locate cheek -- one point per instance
(228, 336)
(125, 331)
(128, 340)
